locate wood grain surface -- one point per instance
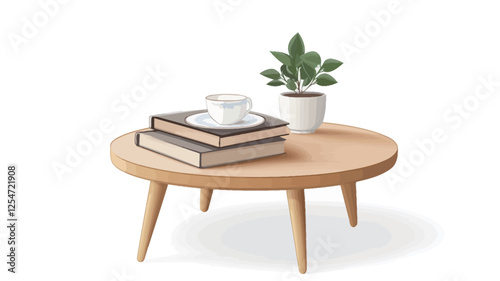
(333, 155)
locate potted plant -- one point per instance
(299, 71)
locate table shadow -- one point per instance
(260, 236)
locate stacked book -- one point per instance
(172, 136)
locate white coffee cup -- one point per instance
(228, 109)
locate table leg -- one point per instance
(349, 192)
(205, 197)
(153, 205)
(297, 207)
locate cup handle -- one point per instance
(249, 100)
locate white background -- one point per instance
(427, 58)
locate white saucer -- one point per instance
(203, 120)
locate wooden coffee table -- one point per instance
(333, 155)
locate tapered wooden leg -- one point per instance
(205, 197)
(349, 192)
(153, 205)
(297, 207)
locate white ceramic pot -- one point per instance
(304, 112)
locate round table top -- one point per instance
(333, 155)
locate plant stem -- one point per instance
(309, 86)
(299, 79)
(313, 81)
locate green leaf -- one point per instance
(292, 70)
(311, 58)
(275, 83)
(296, 46)
(271, 73)
(284, 70)
(303, 73)
(290, 84)
(297, 61)
(331, 65)
(308, 70)
(283, 58)
(306, 81)
(325, 80)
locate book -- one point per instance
(174, 123)
(202, 155)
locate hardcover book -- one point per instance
(202, 155)
(174, 123)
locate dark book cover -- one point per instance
(197, 146)
(180, 119)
